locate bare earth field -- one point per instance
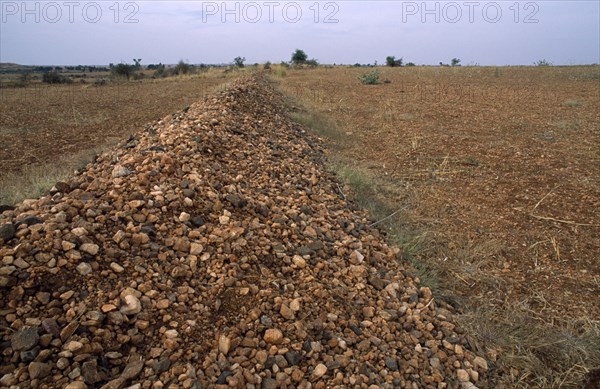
(487, 178)
(496, 171)
(46, 127)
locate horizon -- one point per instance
(482, 33)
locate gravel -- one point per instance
(213, 250)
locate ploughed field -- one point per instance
(45, 126)
(510, 156)
(212, 249)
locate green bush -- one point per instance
(391, 61)
(371, 78)
(313, 63)
(182, 68)
(123, 70)
(54, 77)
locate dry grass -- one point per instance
(34, 180)
(530, 343)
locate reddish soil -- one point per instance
(41, 124)
(501, 166)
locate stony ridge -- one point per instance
(213, 249)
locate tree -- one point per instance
(392, 61)
(239, 61)
(455, 62)
(542, 62)
(182, 68)
(313, 63)
(299, 57)
(123, 69)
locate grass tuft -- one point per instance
(35, 180)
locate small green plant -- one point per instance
(572, 103)
(455, 62)
(371, 78)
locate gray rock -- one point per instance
(30, 221)
(162, 365)
(25, 339)
(293, 357)
(391, 364)
(29, 355)
(269, 383)
(89, 371)
(7, 231)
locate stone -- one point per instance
(273, 336)
(132, 370)
(69, 330)
(319, 371)
(84, 268)
(462, 375)
(480, 363)
(105, 308)
(90, 248)
(163, 304)
(73, 346)
(391, 364)
(196, 248)
(286, 312)
(299, 261)
(161, 366)
(224, 344)
(25, 338)
(89, 372)
(120, 171)
(131, 306)
(293, 357)
(38, 370)
(116, 267)
(30, 221)
(76, 385)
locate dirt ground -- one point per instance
(42, 123)
(498, 168)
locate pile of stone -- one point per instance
(212, 249)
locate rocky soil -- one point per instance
(212, 249)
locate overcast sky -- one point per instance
(513, 32)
